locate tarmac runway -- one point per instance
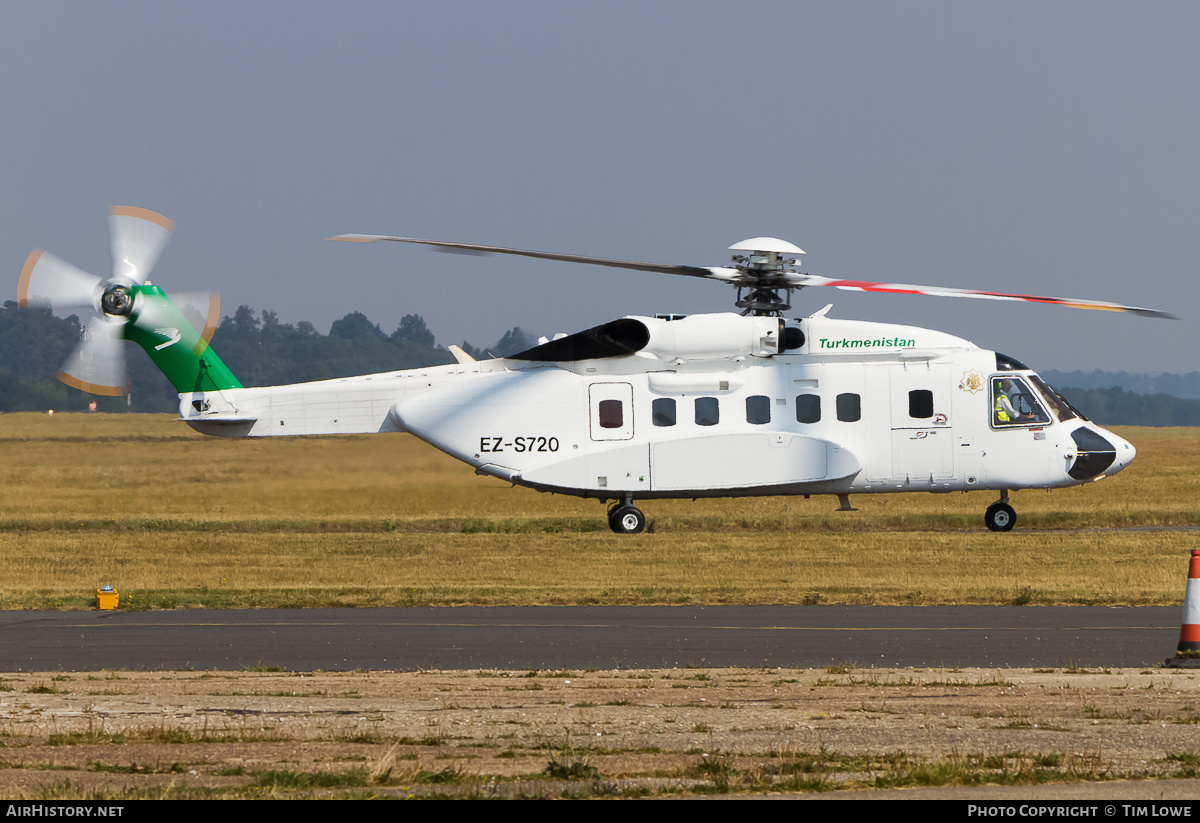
(619, 637)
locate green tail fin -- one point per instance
(173, 343)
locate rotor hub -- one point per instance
(763, 262)
(117, 300)
(766, 269)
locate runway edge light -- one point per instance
(106, 597)
(1187, 654)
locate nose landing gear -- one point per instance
(1000, 516)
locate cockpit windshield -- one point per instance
(1063, 410)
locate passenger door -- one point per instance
(922, 437)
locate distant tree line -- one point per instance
(258, 349)
(1115, 406)
(261, 351)
(1186, 386)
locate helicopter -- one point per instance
(740, 404)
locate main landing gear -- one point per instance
(624, 518)
(1000, 516)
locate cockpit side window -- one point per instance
(1015, 404)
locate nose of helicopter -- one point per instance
(1125, 451)
(1099, 453)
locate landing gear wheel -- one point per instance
(1000, 517)
(626, 520)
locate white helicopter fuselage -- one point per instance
(643, 407)
(712, 406)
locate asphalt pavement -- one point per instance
(589, 637)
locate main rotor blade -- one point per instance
(97, 365)
(138, 236)
(48, 280)
(783, 279)
(942, 291)
(718, 273)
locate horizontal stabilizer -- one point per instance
(222, 425)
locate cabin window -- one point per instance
(1015, 404)
(849, 408)
(663, 411)
(612, 414)
(758, 409)
(708, 412)
(808, 408)
(920, 404)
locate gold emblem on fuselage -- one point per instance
(972, 381)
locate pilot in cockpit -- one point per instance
(1005, 412)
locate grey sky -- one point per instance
(1045, 148)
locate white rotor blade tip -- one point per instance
(97, 365)
(357, 238)
(47, 280)
(138, 237)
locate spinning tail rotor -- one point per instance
(127, 307)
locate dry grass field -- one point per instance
(174, 519)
